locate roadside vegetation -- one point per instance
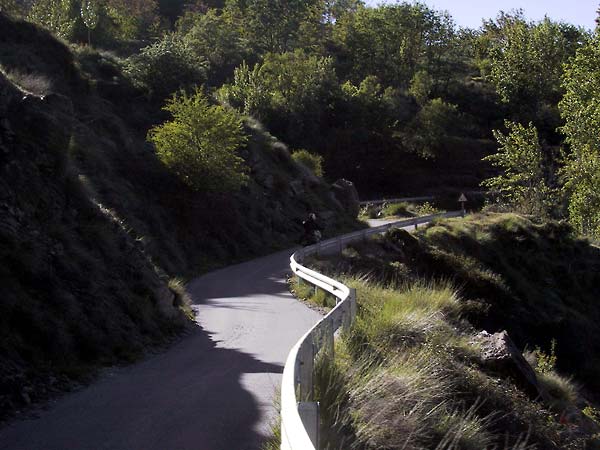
(98, 223)
(393, 210)
(147, 141)
(417, 370)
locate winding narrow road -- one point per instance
(214, 390)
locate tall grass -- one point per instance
(31, 83)
(408, 376)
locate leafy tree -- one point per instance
(279, 25)
(200, 143)
(580, 109)
(420, 86)
(392, 41)
(213, 36)
(430, 128)
(522, 183)
(336, 9)
(368, 105)
(133, 19)
(289, 91)
(525, 59)
(165, 67)
(90, 14)
(58, 16)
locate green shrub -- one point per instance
(395, 209)
(165, 67)
(199, 145)
(426, 209)
(312, 161)
(545, 363)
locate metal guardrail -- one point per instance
(396, 200)
(299, 411)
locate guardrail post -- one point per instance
(352, 300)
(346, 316)
(306, 357)
(328, 338)
(341, 248)
(309, 414)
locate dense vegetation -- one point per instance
(96, 225)
(396, 97)
(153, 127)
(412, 372)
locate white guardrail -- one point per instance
(396, 200)
(299, 411)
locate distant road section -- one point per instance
(214, 390)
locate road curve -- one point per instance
(213, 390)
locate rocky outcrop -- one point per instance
(347, 195)
(500, 355)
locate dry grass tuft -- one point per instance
(29, 83)
(182, 299)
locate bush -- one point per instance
(199, 144)
(165, 67)
(312, 161)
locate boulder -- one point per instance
(500, 355)
(346, 194)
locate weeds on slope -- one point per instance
(409, 376)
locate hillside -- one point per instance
(444, 318)
(93, 228)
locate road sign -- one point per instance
(462, 199)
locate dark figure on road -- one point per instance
(312, 230)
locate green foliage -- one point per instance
(370, 105)
(405, 377)
(545, 362)
(426, 209)
(410, 356)
(431, 127)
(312, 161)
(278, 26)
(165, 67)
(521, 183)
(133, 19)
(216, 38)
(420, 86)
(289, 91)
(580, 108)
(592, 413)
(58, 16)
(517, 49)
(90, 14)
(111, 20)
(393, 41)
(199, 144)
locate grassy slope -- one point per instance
(410, 374)
(93, 227)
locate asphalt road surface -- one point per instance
(213, 390)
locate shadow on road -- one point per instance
(186, 398)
